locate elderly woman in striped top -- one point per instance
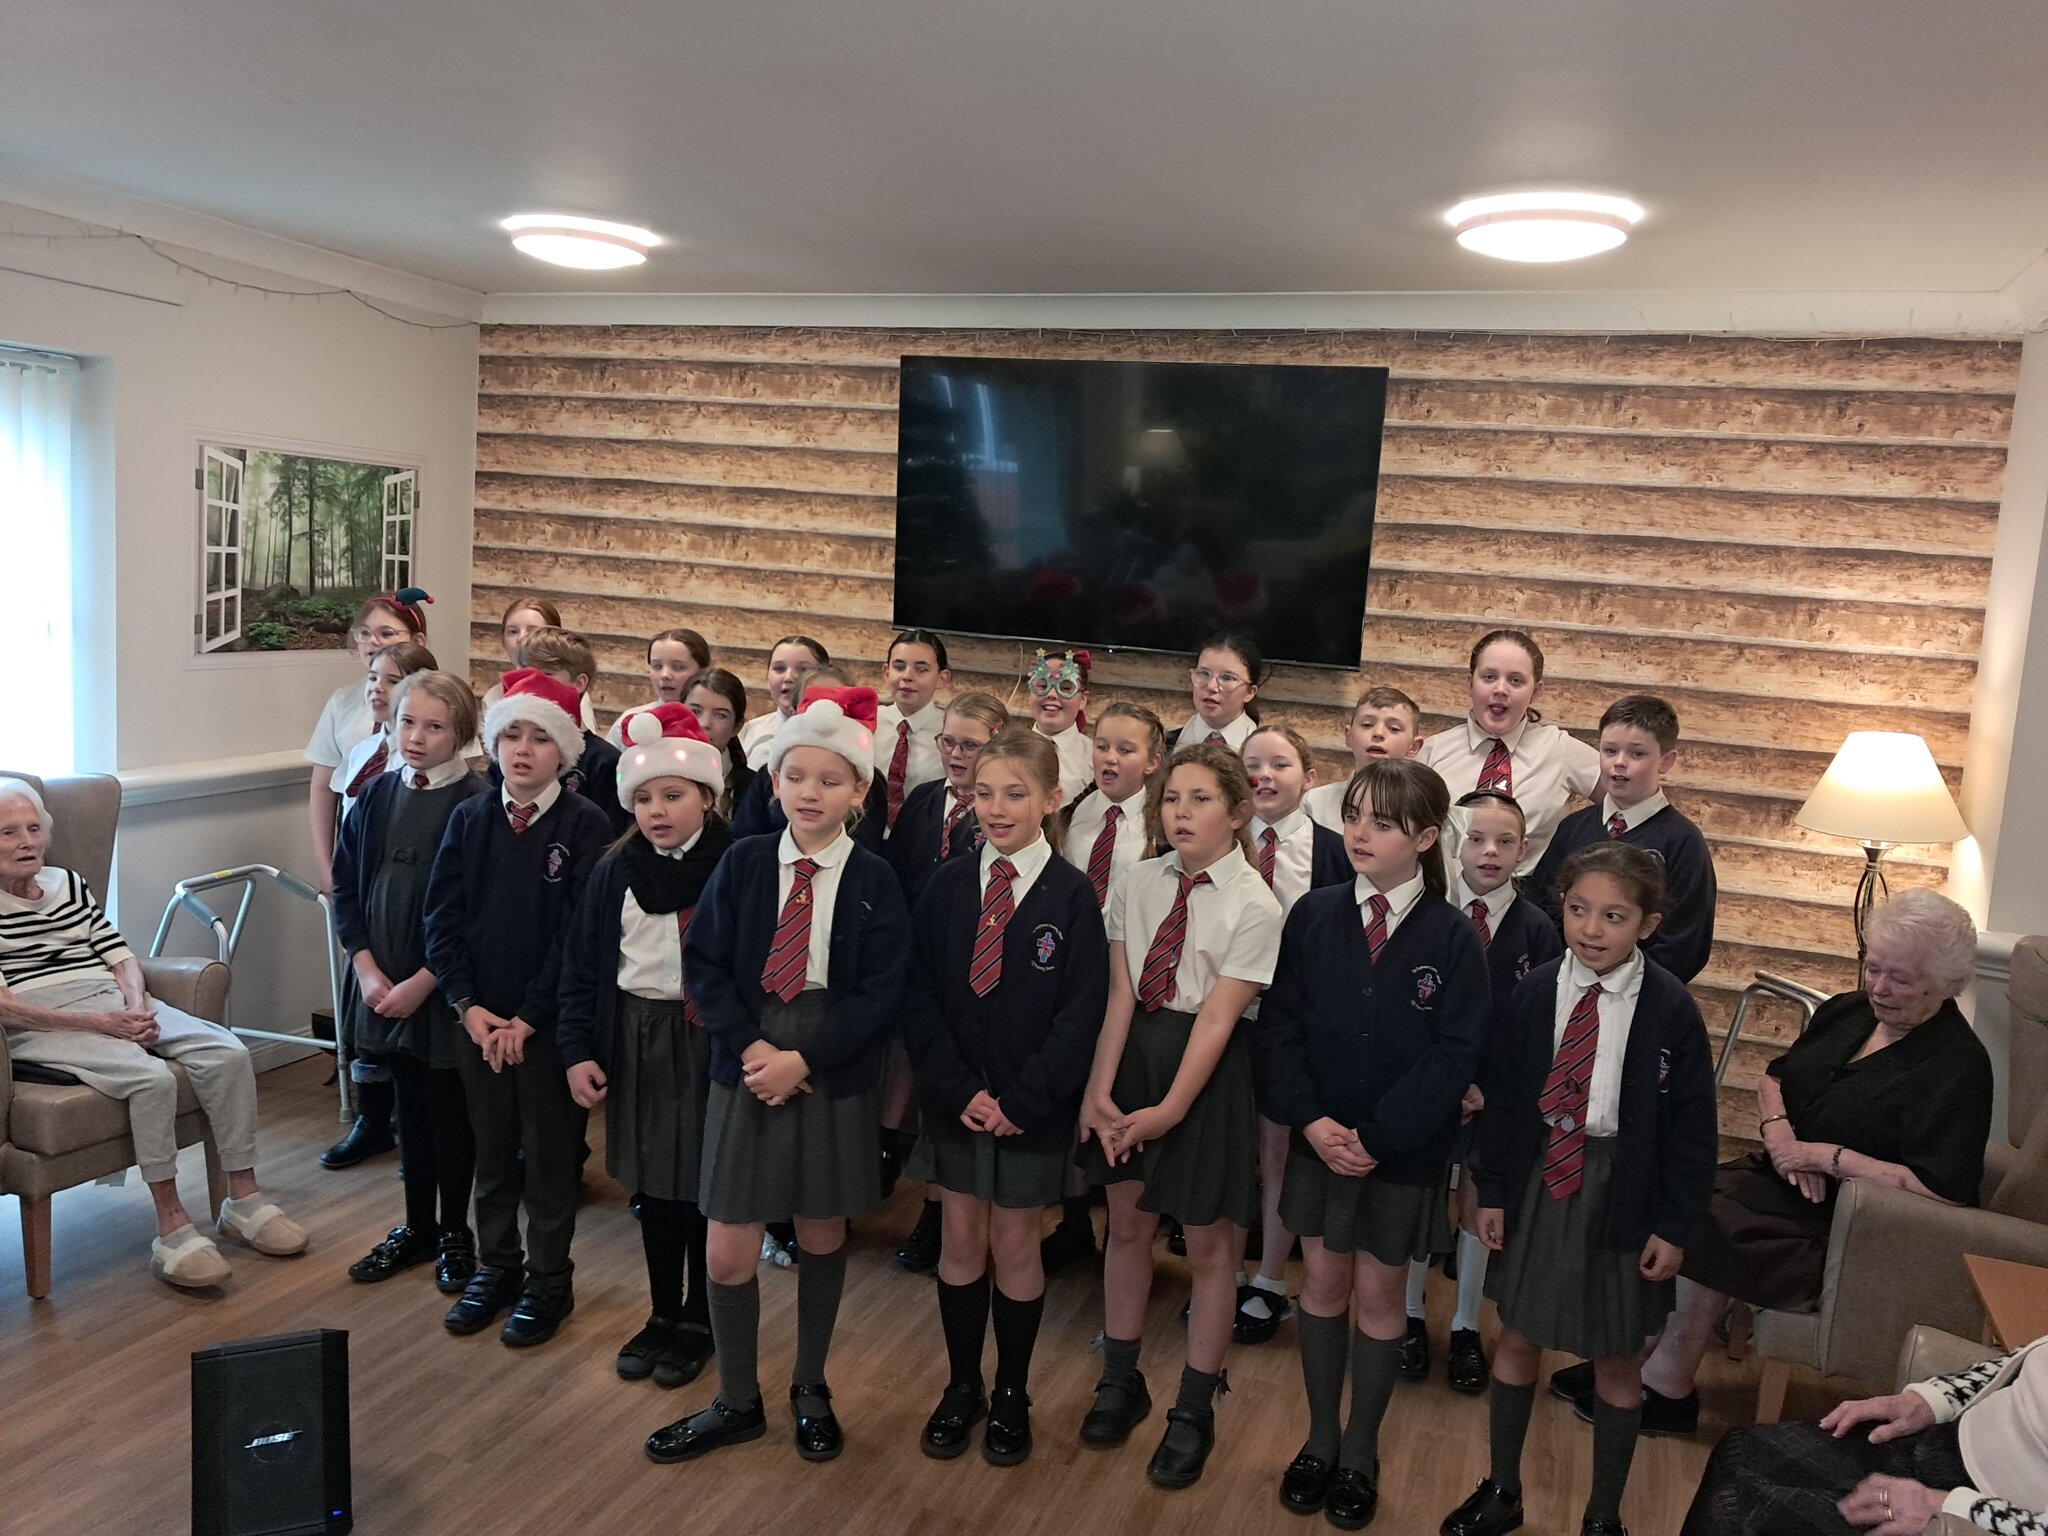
(71, 998)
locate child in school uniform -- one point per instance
(1058, 686)
(795, 957)
(376, 753)
(675, 657)
(759, 810)
(1517, 937)
(1505, 744)
(396, 1009)
(1385, 722)
(1638, 748)
(1367, 1040)
(1595, 1163)
(907, 727)
(390, 618)
(1009, 974)
(1293, 856)
(788, 660)
(629, 1038)
(1167, 1122)
(719, 701)
(524, 615)
(567, 658)
(504, 887)
(1223, 685)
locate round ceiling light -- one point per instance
(594, 245)
(1543, 226)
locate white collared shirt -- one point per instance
(1400, 900)
(758, 735)
(345, 719)
(358, 758)
(923, 764)
(549, 793)
(1632, 816)
(1029, 863)
(1131, 843)
(831, 862)
(650, 943)
(1197, 730)
(1497, 901)
(1077, 760)
(1293, 854)
(1619, 990)
(440, 776)
(1548, 768)
(1325, 804)
(1233, 925)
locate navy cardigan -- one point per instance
(913, 848)
(1328, 863)
(1525, 940)
(359, 854)
(757, 811)
(1386, 1048)
(1031, 1041)
(1682, 941)
(1665, 1143)
(727, 946)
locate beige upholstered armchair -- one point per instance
(1896, 1259)
(54, 1136)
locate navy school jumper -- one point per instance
(1683, 939)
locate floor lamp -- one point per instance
(1882, 789)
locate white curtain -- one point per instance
(36, 728)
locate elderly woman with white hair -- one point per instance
(1889, 1083)
(71, 998)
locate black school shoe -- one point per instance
(1465, 1368)
(535, 1317)
(1184, 1448)
(946, 1433)
(1572, 1382)
(1491, 1511)
(401, 1249)
(1661, 1415)
(639, 1354)
(492, 1289)
(920, 1250)
(706, 1430)
(1117, 1411)
(686, 1356)
(1415, 1351)
(1305, 1484)
(1260, 1313)
(1592, 1527)
(1068, 1243)
(369, 1137)
(456, 1263)
(817, 1434)
(1007, 1440)
(1354, 1500)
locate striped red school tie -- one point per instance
(690, 1013)
(1376, 926)
(985, 968)
(899, 769)
(367, 774)
(522, 816)
(1567, 1092)
(419, 781)
(1269, 847)
(1215, 739)
(789, 957)
(1615, 825)
(1485, 928)
(961, 805)
(1103, 853)
(1498, 771)
(1162, 960)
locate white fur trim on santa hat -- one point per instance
(825, 724)
(566, 734)
(650, 755)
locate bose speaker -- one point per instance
(270, 1436)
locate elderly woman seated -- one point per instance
(71, 998)
(1973, 1445)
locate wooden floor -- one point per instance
(466, 1435)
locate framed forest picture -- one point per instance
(291, 542)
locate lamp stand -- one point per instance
(1870, 889)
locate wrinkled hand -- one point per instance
(135, 1025)
(1903, 1413)
(1339, 1148)
(1790, 1157)
(1890, 1506)
(1660, 1260)
(587, 1084)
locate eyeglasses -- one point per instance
(1064, 687)
(381, 636)
(1225, 680)
(963, 745)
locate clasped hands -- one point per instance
(1805, 1165)
(1121, 1134)
(502, 1040)
(772, 1075)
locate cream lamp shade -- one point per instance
(1883, 787)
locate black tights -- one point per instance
(440, 1149)
(672, 1234)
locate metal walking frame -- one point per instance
(227, 937)
(1765, 985)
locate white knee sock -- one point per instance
(1471, 1282)
(1418, 1288)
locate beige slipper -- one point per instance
(262, 1227)
(188, 1258)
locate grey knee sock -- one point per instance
(1120, 1363)
(1374, 1365)
(1614, 1448)
(1507, 1411)
(1322, 1378)
(736, 1330)
(820, 1278)
(1198, 1390)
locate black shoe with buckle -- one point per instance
(1354, 1499)
(402, 1248)
(817, 1433)
(1184, 1448)
(1465, 1369)
(491, 1290)
(689, 1349)
(920, 1250)
(1306, 1483)
(706, 1430)
(1007, 1440)
(1490, 1511)
(946, 1433)
(536, 1315)
(1116, 1412)
(1415, 1351)
(456, 1263)
(637, 1357)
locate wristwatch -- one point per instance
(461, 1005)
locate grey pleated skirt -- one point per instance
(1392, 1222)
(992, 1168)
(816, 1156)
(1560, 1287)
(1205, 1169)
(654, 1100)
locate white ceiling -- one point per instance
(1065, 146)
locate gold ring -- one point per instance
(1885, 1497)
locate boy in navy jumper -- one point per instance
(1638, 747)
(593, 774)
(505, 884)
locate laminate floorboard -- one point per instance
(465, 1435)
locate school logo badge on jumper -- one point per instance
(1522, 965)
(1663, 1069)
(1428, 982)
(1045, 943)
(558, 860)
(572, 782)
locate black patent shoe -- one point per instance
(637, 1358)
(686, 1356)
(947, 1431)
(1661, 1415)
(1572, 1382)
(1465, 1368)
(1184, 1448)
(1415, 1351)
(920, 1250)
(1007, 1440)
(1176, 1238)
(1591, 1527)
(706, 1430)
(1260, 1313)
(490, 1291)
(456, 1263)
(817, 1433)
(401, 1249)
(535, 1317)
(1068, 1243)
(1490, 1511)
(366, 1139)
(1117, 1411)
(1305, 1484)
(1354, 1499)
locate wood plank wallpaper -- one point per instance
(1789, 539)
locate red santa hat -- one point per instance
(840, 720)
(539, 700)
(665, 742)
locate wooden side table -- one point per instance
(2015, 1298)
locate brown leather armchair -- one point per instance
(56, 1136)
(1896, 1260)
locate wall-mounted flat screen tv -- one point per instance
(1141, 505)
